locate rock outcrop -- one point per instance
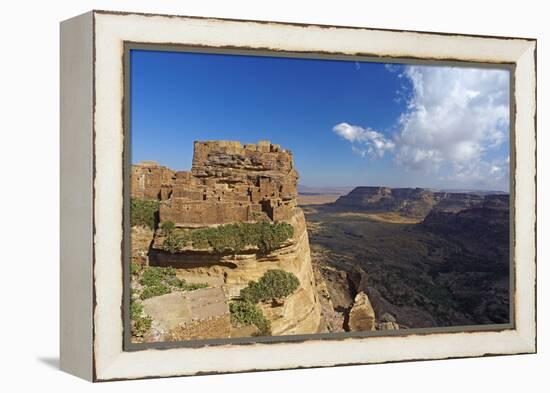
(229, 183)
(199, 314)
(361, 316)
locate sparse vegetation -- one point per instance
(154, 281)
(157, 281)
(154, 290)
(273, 284)
(144, 212)
(135, 268)
(167, 227)
(141, 326)
(260, 216)
(272, 236)
(136, 309)
(232, 238)
(156, 275)
(245, 313)
(173, 243)
(141, 323)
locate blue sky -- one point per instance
(348, 123)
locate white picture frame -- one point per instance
(92, 193)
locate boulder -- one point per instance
(361, 316)
(190, 312)
(388, 326)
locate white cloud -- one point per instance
(392, 67)
(455, 124)
(481, 173)
(365, 141)
(454, 117)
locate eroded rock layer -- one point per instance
(228, 183)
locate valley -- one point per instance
(431, 258)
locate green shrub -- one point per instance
(158, 281)
(199, 237)
(272, 285)
(244, 313)
(228, 237)
(141, 326)
(272, 236)
(173, 243)
(233, 238)
(167, 227)
(136, 309)
(192, 287)
(155, 290)
(260, 216)
(144, 212)
(135, 268)
(154, 275)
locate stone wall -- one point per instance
(228, 182)
(149, 180)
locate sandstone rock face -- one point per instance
(361, 315)
(199, 314)
(387, 326)
(358, 279)
(338, 288)
(299, 313)
(331, 319)
(229, 183)
(142, 238)
(168, 310)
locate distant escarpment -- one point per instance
(488, 221)
(412, 202)
(228, 225)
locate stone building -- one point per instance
(228, 182)
(148, 179)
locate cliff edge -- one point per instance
(228, 184)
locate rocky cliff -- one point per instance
(413, 202)
(231, 183)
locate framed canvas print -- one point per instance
(245, 195)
